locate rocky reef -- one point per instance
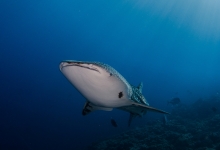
(189, 127)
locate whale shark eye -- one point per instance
(110, 74)
(120, 95)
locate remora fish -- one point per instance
(105, 89)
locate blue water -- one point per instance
(172, 47)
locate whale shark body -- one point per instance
(104, 88)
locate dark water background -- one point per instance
(172, 47)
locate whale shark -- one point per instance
(105, 88)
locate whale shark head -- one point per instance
(104, 88)
(99, 83)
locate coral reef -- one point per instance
(189, 127)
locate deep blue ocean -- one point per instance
(173, 47)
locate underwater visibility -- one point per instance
(110, 75)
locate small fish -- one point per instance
(114, 124)
(214, 109)
(174, 101)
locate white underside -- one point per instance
(98, 87)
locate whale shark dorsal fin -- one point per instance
(89, 107)
(140, 87)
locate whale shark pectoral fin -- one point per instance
(148, 108)
(136, 109)
(89, 107)
(140, 109)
